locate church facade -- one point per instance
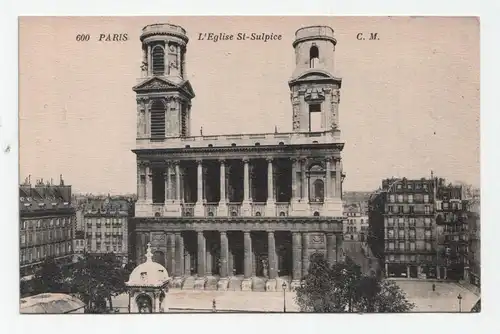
(237, 211)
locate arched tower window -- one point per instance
(158, 58)
(313, 56)
(158, 119)
(319, 190)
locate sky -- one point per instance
(409, 100)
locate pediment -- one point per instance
(155, 84)
(186, 86)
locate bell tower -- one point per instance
(315, 92)
(163, 94)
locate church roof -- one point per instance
(149, 273)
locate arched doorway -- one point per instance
(144, 303)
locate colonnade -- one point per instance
(178, 258)
(302, 175)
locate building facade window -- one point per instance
(410, 198)
(412, 246)
(391, 245)
(390, 233)
(392, 198)
(401, 245)
(428, 246)
(426, 198)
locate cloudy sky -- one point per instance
(409, 101)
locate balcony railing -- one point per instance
(258, 209)
(188, 210)
(282, 209)
(234, 209)
(211, 209)
(316, 207)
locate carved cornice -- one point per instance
(314, 94)
(200, 224)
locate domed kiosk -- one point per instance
(148, 287)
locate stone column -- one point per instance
(338, 247)
(386, 270)
(246, 181)
(178, 261)
(246, 208)
(247, 244)
(328, 182)
(408, 271)
(331, 243)
(337, 179)
(246, 285)
(168, 184)
(224, 254)
(438, 273)
(271, 254)
(222, 180)
(296, 257)
(254, 265)
(179, 253)
(305, 188)
(201, 254)
(177, 181)
(230, 263)
(204, 185)
(200, 182)
(271, 196)
(198, 208)
(150, 61)
(170, 253)
(305, 254)
(187, 263)
(222, 209)
(149, 184)
(209, 263)
(295, 187)
(270, 183)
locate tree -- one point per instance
(96, 279)
(343, 288)
(49, 278)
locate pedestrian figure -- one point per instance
(433, 287)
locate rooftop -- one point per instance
(44, 196)
(51, 303)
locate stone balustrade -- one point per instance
(289, 138)
(144, 209)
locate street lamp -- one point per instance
(284, 300)
(459, 297)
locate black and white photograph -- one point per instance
(249, 164)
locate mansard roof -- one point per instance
(315, 75)
(156, 84)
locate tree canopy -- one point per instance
(93, 279)
(343, 288)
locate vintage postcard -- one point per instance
(249, 164)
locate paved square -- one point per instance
(444, 299)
